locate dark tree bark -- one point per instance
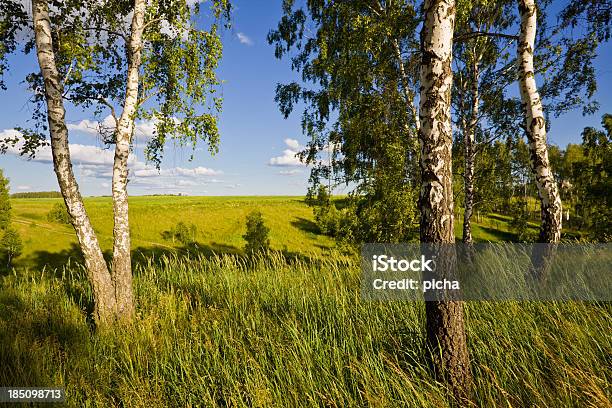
(446, 338)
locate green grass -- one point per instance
(220, 222)
(216, 332)
(292, 330)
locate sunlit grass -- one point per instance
(225, 331)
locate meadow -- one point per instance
(220, 223)
(284, 330)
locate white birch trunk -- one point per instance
(122, 262)
(98, 274)
(469, 135)
(535, 127)
(408, 96)
(446, 338)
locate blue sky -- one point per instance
(257, 143)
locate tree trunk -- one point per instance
(99, 277)
(469, 136)
(122, 262)
(446, 338)
(408, 96)
(535, 127)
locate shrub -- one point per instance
(182, 233)
(5, 203)
(318, 196)
(328, 219)
(518, 223)
(10, 245)
(256, 234)
(59, 214)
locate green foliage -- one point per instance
(519, 223)
(593, 181)
(583, 173)
(10, 245)
(12, 18)
(182, 233)
(328, 218)
(384, 216)
(360, 108)
(322, 196)
(59, 214)
(373, 216)
(5, 203)
(37, 194)
(178, 86)
(256, 234)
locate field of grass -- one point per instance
(213, 331)
(289, 330)
(220, 222)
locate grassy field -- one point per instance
(290, 330)
(212, 331)
(220, 222)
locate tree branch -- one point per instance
(474, 34)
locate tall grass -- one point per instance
(275, 332)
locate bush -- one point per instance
(256, 234)
(182, 233)
(5, 203)
(328, 219)
(318, 196)
(10, 245)
(59, 214)
(518, 223)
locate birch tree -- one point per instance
(359, 68)
(535, 127)
(446, 337)
(97, 270)
(122, 261)
(159, 67)
(482, 111)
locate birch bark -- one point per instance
(470, 154)
(446, 338)
(98, 274)
(535, 127)
(122, 261)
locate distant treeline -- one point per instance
(37, 194)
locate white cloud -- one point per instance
(144, 129)
(79, 153)
(292, 143)
(289, 157)
(198, 171)
(92, 162)
(23, 187)
(293, 172)
(244, 39)
(186, 183)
